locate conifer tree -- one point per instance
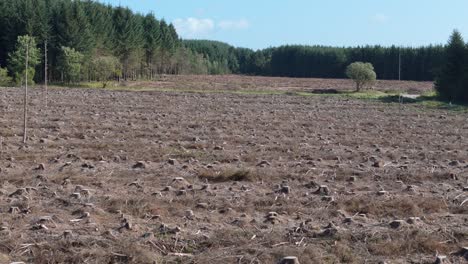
(451, 82)
(128, 36)
(100, 20)
(152, 40)
(72, 27)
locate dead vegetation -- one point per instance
(395, 207)
(408, 242)
(228, 175)
(175, 177)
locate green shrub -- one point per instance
(70, 62)
(361, 73)
(17, 59)
(105, 68)
(5, 80)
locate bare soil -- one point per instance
(176, 177)
(236, 82)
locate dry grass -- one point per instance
(394, 207)
(417, 176)
(228, 175)
(135, 206)
(343, 253)
(408, 242)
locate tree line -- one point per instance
(82, 36)
(447, 65)
(90, 41)
(419, 64)
(452, 82)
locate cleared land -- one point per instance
(246, 83)
(179, 177)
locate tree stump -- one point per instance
(289, 260)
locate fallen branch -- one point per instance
(280, 244)
(180, 255)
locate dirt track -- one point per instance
(229, 178)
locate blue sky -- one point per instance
(263, 23)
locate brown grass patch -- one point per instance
(407, 242)
(396, 207)
(227, 175)
(135, 206)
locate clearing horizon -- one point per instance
(263, 24)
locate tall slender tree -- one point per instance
(128, 36)
(72, 28)
(450, 84)
(152, 35)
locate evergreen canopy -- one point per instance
(146, 46)
(452, 82)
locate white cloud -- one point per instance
(194, 27)
(380, 18)
(233, 24)
(201, 27)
